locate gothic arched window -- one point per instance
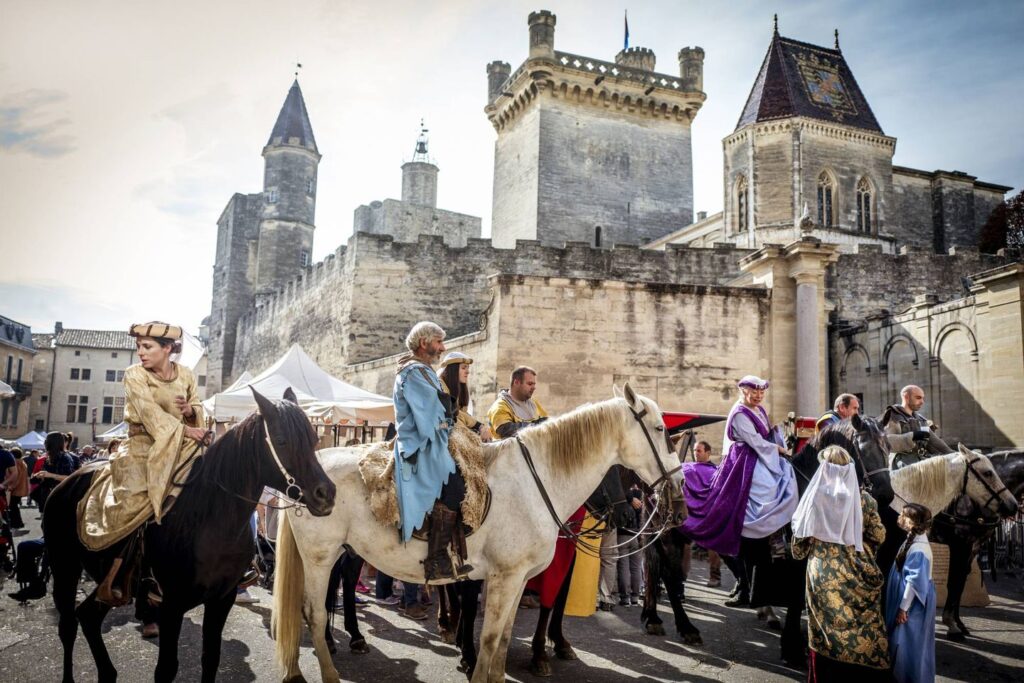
(826, 200)
(864, 205)
(742, 204)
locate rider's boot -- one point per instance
(439, 564)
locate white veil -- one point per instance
(830, 509)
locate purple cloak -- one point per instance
(716, 499)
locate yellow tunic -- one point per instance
(501, 413)
(133, 487)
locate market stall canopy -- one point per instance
(6, 391)
(118, 432)
(32, 440)
(320, 395)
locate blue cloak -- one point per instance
(422, 431)
(912, 645)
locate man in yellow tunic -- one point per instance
(516, 408)
(165, 431)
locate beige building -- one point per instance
(16, 354)
(85, 394)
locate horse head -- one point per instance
(983, 485)
(290, 459)
(644, 446)
(872, 449)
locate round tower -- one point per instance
(691, 68)
(542, 34)
(637, 58)
(497, 73)
(419, 176)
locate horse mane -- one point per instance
(934, 482)
(840, 433)
(570, 438)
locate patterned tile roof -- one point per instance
(15, 333)
(96, 339)
(800, 79)
(293, 121)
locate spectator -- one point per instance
(702, 456)
(57, 466)
(837, 528)
(30, 571)
(19, 489)
(630, 563)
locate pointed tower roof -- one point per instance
(800, 79)
(293, 122)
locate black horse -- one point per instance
(202, 546)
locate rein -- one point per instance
(993, 495)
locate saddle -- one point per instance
(377, 468)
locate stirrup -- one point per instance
(109, 594)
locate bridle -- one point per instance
(582, 544)
(993, 493)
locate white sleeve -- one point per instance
(767, 451)
(908, 597)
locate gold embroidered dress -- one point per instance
(844, 593)
(132, 487)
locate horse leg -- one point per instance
(959, 568)
(215, 615)
(793, 644)
(503, 593)
(65, 586)
(315, 611)
(468, 597)
(351, 567)
(170, 630)
(674, 578)
(90, 615)
(446, 600)
(563, 648)
(652, 590)
(540, 664)
(497, 673)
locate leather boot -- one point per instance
(439, 564)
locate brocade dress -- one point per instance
(844, 591)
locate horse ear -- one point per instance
(616, 391)
(630, 396)
(857, 423)
(263, 404)
(289, 395)
(965, 450)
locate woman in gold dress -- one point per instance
(165, 430)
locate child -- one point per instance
(910, 601)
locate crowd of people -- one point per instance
(744, 511)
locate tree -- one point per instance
(1005, 226)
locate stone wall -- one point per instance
(407, 221)
(514, 197)
(359, 304)
(966, 355)
(912, 199)
(865, 283)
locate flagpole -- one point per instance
(625, 40)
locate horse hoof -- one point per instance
(956, 636)
(541, 668)
(358, 647)
(466, 668)
(775, 624)
(655, 629)
(447, 637)
(566, 653)
(692, 639)
(296, 679)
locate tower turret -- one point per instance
(497, 73)
(636, 57)
(287, 220)
(542, 34)
(419, 176)
(691, 68)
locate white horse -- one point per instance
(571, 454)
(937, 481)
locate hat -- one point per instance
(155, 329)
(455, 357)
(752, 382)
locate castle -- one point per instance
(829, 269)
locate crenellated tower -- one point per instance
(589, 150)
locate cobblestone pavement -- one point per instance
(611, 646)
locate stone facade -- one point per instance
(42, 375)
(966, 354)
(406, 221)
(591, 151)
(17, 353)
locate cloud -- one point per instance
(28, 124)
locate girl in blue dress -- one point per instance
(910, 601)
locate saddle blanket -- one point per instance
(377, 469)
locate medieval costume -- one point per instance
(910, 436)
(911, 589)
(463, 414)
(507, 415)
(837, 528)
(830, 418)
(141, 474)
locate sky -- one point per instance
(125, 127)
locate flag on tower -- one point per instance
(625, 41)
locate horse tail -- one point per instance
(289, 585)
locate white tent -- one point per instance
(32, 440)
(6, 391)
(118, 432)
(319, 394)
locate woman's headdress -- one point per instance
(156, 330)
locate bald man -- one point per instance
(910, 433)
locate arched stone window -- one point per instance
(597, 236)
(864, 213)
(826, 200)
(742, 206)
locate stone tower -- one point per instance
(264, 238)
(419, 176)
(588, 150)
(289, 196)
